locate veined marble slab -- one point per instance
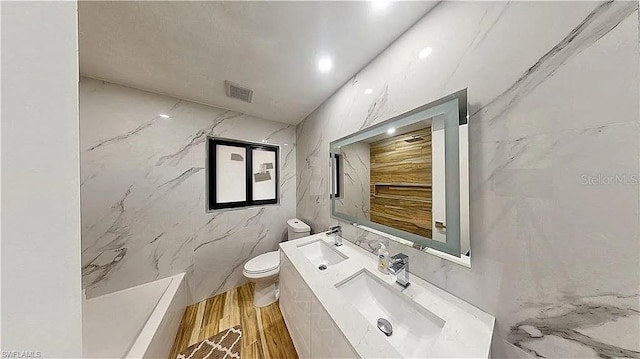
(143, 192)
(467, 330)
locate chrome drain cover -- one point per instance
(322, 267)
(385, 327)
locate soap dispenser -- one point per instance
(383, 259)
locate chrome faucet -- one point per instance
(336, 231)
(400, 267)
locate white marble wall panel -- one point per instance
(143, 192)
(355, 199)
(553, 90)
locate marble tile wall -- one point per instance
(553, 90)
(355, 199)
(143, 192)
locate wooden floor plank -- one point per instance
(231, 312)
(276, 334)
(214, 308)
(263, 340)
(195, 331)
(264, 333)
(253, 351)
(250, 334)
(184, 331)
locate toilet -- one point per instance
(264, 269)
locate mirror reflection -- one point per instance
(401, 176)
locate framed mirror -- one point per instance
(407, 178)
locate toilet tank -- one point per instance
(297, 229)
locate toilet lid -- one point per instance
(263, 263)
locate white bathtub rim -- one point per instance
(147, 332)
(108, 295)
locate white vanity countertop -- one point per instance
(467, 330)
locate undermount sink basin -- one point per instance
(415, 328)
(321, 254)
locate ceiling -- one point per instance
(188, 49)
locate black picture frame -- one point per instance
(212, 170)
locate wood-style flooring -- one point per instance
(264, 333)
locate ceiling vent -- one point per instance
(239, 92)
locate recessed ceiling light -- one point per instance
(368, 91)
(325, 64)
(424, 53)
(286, 144)
(379, 5)
(391, 130)
(164, 116)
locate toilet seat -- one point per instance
(263, 264)
(264, 269)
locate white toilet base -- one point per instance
(264, 293)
